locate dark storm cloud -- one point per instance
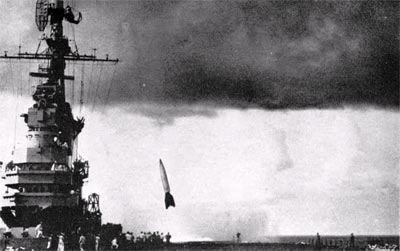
(269, 54)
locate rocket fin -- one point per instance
(169, 200)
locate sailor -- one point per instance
(54, 166)
(168, 238)
(158, 238)
(39, 230)
(318, 241)
(238, 238)
(140, 238)
(128, 237)
(114, 244)
(82, 243)
(60, 242)
(352, 240)
(49, 242)
(96, 243)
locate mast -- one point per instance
(44, 182)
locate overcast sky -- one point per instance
(270, 117)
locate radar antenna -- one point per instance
(42, 14)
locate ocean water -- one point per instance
(286, 243)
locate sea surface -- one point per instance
(307, 242)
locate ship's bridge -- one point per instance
(44, 184)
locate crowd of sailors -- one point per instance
(148, 237)
(127, 241)
(122, 241)
(349, 244)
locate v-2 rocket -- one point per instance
(169, 200)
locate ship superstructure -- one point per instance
(44, 179)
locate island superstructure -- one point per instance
(44, 179)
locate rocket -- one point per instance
(169, 200)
